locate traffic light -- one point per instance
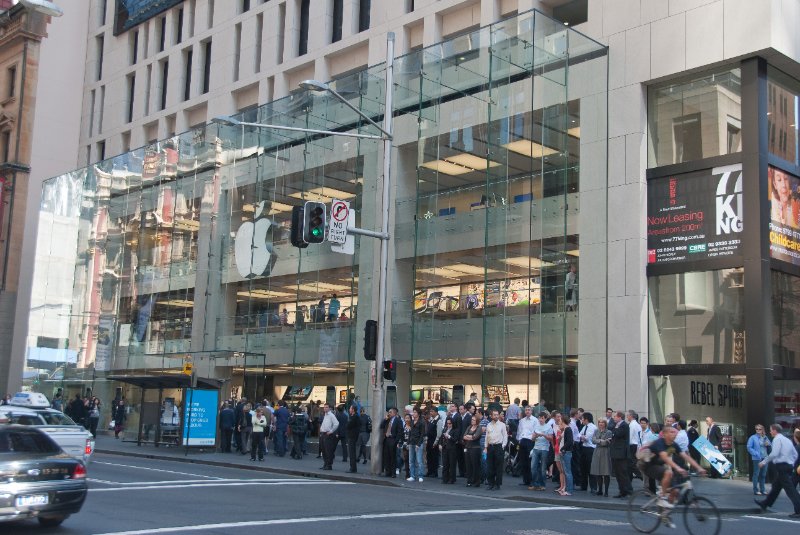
(390, 370)
(314, 214)
(297, 227)
(371, 340)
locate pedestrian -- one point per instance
(575, 425)
(281, 424)
(416, 445)
(757, 446)
(619, 455)
(564, 444)
(571, 289)
(353, 430)
(342, 416)
(328, 437)
(93, 415)
(464, 423)
(78, 410)
(496, 440)
(319, 313)
(693, 434)
(257, 446)
(601, 459)
(634, 442)
(363, 436)
(513, 413)
(119, 418)
(543, 438)
(227, 422)
(333, 309)
(245, 428)
(586, 441)
(298, 424)
(391, 431)
(402, 446)
(796, 468)
(495, 405)
(433, 432)
(448, 445)
(525, 443)
(783, 458)
(57, 404)
(472, 442)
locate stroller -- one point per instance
(513, 459)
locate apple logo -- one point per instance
(253, 246)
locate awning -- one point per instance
(166, 381)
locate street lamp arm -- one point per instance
(344, 101)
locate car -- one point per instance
(37, 478)
(73, 438)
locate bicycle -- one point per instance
(700, 515)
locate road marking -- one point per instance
(281, 521)
(199, 481)
(216, 484)
(601, 522)
(103, 481)
(786, 520)
(156, 470)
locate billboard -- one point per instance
(131, 13)
(784, 219)
(695, 216)
(200, 418)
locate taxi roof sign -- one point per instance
(34, 400)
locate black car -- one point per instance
(37, 479)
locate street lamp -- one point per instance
(378, 392)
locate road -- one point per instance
(142, 496)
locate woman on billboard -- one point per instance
(785, 207)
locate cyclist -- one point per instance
(666, 460)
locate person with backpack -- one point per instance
(363, 436)
(299, 426)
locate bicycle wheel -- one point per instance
(701, 517)
(643, 511)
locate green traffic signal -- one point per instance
(316, 231)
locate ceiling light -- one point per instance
(322, 194)
(530, 149)
(322, 287)
(471, 161)
(526, 261)
(447, 168)
(575, 131)
(177, 303)
(265, 294)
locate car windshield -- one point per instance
(26, 441)
(56, 418)
(24, 419)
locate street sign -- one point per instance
(337, 229)
(187, 368)
(349, 245)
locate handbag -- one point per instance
(111, 425)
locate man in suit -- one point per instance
(620, 441)
(353, 428)
(227, 421)
(390, 431)
(465, 411)
(714, 436)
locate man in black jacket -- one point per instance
(432, 432)
(465, 412)
(342, 417)
(227, 421)
(363, 435)
(353, 429)
(238, 414)
(390, 430)
(619, 454)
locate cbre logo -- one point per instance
(253, 246)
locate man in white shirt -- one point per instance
(496, 439)
(635, 441)
(525, 440)
(328, 437)
(512, 414)
(542, 438)
(587, 452)
(782, 457)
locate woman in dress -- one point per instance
(601, 461)
(564, 456)
(402, 447)
(472, 442)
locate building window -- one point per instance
(179, 27)
(6, 145)
(572, 13)
(101, 151)
(302, 49)
(192, 16)
(100, 42)
(363, 14)
(131, 94)
(102, 109)
(695, 117)
(210, 13)
(259, 42)
(244, 6)
(783, 95)
(206, 66)
(237, 50)
(338, 19)
(162, 34)
(147, 81)
(92, 98)
(103, 11)
(164, 79)
(11, 76)
(134, 37)
(187, 75)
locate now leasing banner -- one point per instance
(695, 216)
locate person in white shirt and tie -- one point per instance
(525, 440)
(496, 439)
(587, 452)
(328, 437)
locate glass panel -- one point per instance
(785, 312)
(697, 318)
(782, 115)
(694, 118)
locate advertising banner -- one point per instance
(200, 417)
(715, 458)
(105, 343)
(784, 220)
(695, 216)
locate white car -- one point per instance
(74, 439)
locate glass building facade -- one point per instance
(179, 251)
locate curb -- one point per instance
(615, 505)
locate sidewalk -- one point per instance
(729, 496)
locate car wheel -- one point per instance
(52, 521)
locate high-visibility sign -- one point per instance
(337, 228)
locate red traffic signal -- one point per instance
(390, 370)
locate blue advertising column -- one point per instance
(200, 417)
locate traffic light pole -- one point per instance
(378, 405)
